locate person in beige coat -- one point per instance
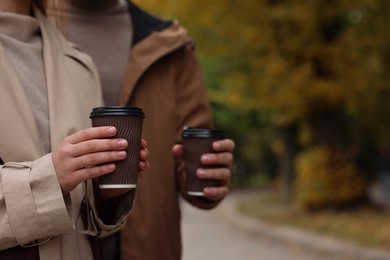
(148, 62)
(49, 153)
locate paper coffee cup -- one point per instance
(128, 122)
(197, 142)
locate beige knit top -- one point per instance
(103, 29)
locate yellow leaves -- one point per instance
(235, 100)
(286, 57)
(275, 46)
(323, 94)
(326, 178)
(276, 66)
(289, 60)
(305, 135)
(278, 147)
(232, 93)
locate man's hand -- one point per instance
(223, 156)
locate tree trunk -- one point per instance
(286, 159)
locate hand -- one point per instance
(143, 156)
(87, 154)
(223, 156)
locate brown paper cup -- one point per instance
(197, 142)
(128, 122)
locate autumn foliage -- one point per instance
(320, 67)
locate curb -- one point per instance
(332, 247)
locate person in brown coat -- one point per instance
(150, 63)
(49, 153)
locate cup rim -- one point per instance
(189, 132)
(116, 111)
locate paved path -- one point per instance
(224, 234)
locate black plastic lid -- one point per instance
(200, 132)
(117, 111)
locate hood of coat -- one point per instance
(144, 24)
(171, 35)
(153, 39)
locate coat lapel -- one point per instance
(61, 87)
(55, 73)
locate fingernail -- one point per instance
(111, 130)
(217, 145)
(121, 154)
(201, 172)
(208, 190)
(111, 167)
(206, 158)
(122, 143)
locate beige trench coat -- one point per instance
(32, 207)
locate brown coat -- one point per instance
(164, 78)
(32, 207)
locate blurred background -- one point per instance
(303, 87)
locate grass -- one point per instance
(365, 225)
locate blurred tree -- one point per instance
(316, 70)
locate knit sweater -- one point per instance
(21, 38)
(98, 35)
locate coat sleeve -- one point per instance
(103, 218)
(193, 110)
(32, 207)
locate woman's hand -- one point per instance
(86, 154)
(143, 156)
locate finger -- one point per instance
(225, 145)
(94, 159)
(144, 144)
(98, 145)
(217, 158)
(70, 181)
(215, 174)
(143, 165)
(143, 154)
(95, 171)
(92, 133)
(177, 150)
(215, 193)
